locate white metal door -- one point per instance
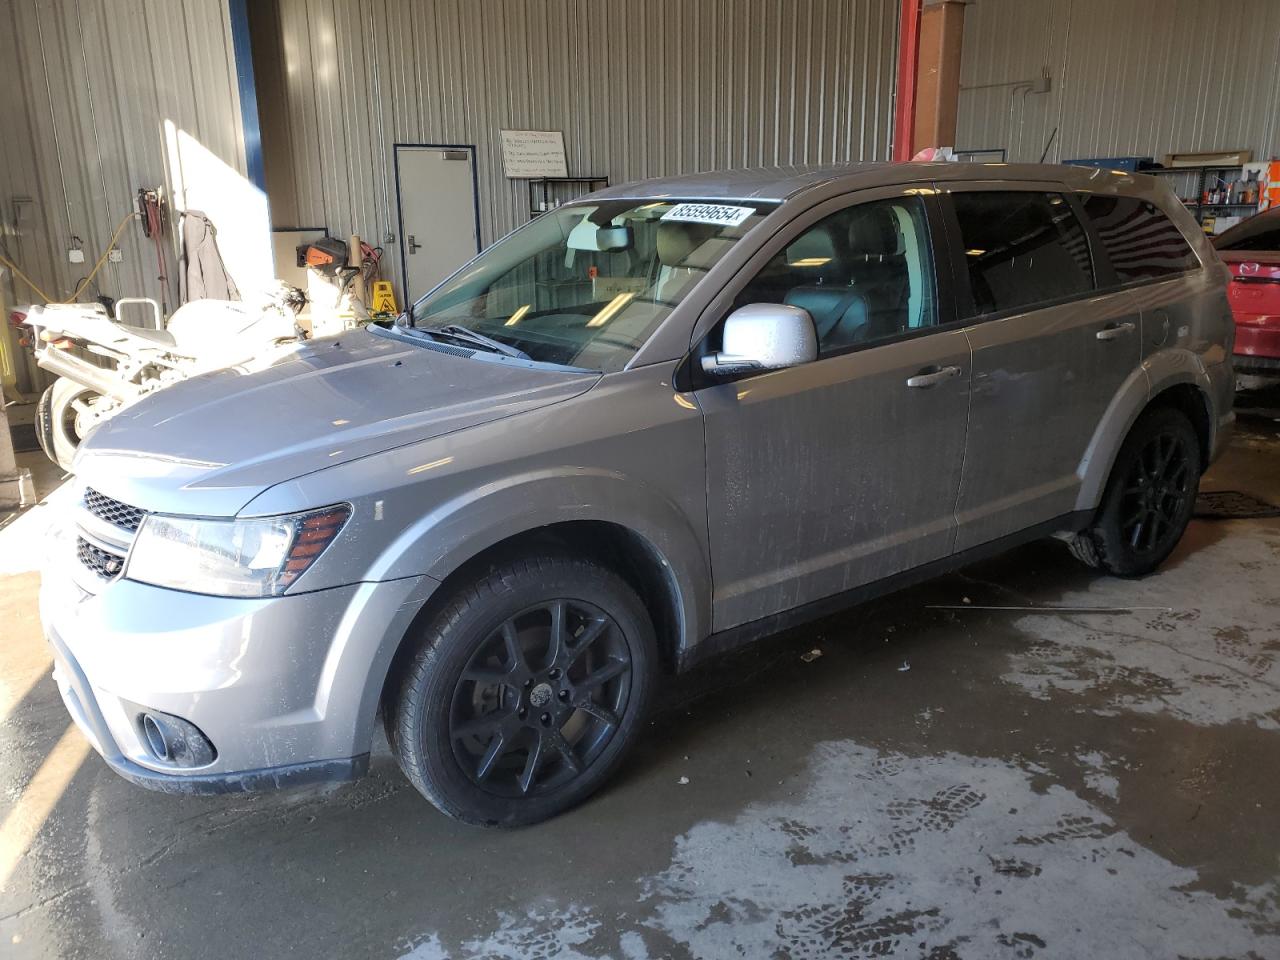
(438, 228)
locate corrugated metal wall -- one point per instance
(1140, 78)
(90, 84)
(641, 88)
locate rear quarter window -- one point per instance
(1141, 242)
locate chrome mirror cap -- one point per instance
(764, 336)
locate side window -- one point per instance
(1021, 249)
(1141, 242)
(864, 273)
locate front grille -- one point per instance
(102, 562)
(113, 511)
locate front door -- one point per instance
(439, 231)
(840, 472)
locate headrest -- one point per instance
(873, 231)
(676, 240)
(815, 244)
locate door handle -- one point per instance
(930, 376)
(1114, 331)
(414, 245)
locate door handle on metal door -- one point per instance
(414, 245)
(1114, 331)
(930, 376)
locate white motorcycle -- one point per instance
(201, 336)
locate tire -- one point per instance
(56, 420)
(1149, 498)
(496, 724)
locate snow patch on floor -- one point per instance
(1213, 658)
(942, 856)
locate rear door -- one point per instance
(836, 473)
(1049, 352)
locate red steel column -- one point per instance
(904, 119)
(938, 73)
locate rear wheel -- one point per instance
(525, 691)
(58, 422)
(1149, 498)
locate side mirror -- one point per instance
(764, 336)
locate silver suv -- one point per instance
(667, 419)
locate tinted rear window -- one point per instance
(1141, 242)
(1021, 249)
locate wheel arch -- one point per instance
(643, 539)
(627, 553)
(624, 551)
(1192, 401)
(1181, 384)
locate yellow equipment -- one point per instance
(384, 298)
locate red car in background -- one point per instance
(1252, 250)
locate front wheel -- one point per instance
(1149, 499)
(524, 691)
(58, 421)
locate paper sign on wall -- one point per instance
(527, 154)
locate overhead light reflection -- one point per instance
(517, 316)
(611, 309)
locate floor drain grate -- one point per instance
(1233, 505)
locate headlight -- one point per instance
(232, 558)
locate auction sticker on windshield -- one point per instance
(718, 213)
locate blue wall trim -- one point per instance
(243, 48)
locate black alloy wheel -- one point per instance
(1149, 497)
(1156, 491)
(540, 698)
(522, 691)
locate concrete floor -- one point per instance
(944, 781)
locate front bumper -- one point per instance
(82, 704)
(285, 688)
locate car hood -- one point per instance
(209, 445)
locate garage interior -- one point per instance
(1024, 758)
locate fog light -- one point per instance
(155, 739)
(174, 741)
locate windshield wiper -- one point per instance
(461, 334)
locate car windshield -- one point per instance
(585, 285)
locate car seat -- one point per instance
(678, 244)
(878, 269)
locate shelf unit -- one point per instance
(549, 199)
(1202, 176)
